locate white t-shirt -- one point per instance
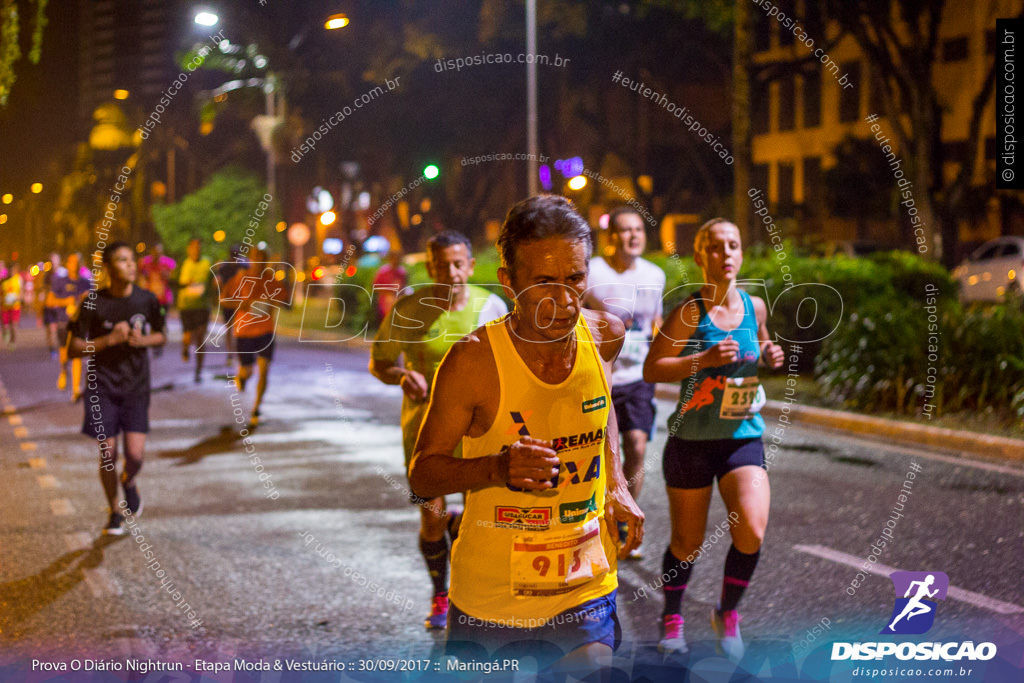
(635, 297)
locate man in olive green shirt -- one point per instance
(420, 328)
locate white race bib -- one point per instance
(550, 563)
(741, 398)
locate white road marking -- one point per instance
(970, 597)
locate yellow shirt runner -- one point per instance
(550, 550)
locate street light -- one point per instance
(36, 188)
(206, 18)
(8, 198)
(120, 94)
(336, 21)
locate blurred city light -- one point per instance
(545, 176)
(336, 21)
(120, 94)
(36, 188)
(206, 18)
(219, 236)
(8, 198)
(578, 183)
(431, 171)
(328, 218)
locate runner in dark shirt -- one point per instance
(115, 326)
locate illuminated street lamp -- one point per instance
(328, 218)
(36, 188)
(8, 198)
(206, 18)
(336, 21)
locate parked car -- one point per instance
(992, 270)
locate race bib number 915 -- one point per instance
(557, 562)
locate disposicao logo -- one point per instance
(917, 596)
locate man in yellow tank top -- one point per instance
(534, 567)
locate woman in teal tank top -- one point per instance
(713, 344)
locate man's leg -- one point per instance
(134, 445)
(434, 547)
(108, 470)
(244, 373)
(76, 378)
(634, 448)
(261, 387)
(200, 336)
(62, 354)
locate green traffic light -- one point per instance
(431, 172)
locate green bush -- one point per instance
(881, 358)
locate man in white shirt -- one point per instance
(630, 287)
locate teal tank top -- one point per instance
(722, 402)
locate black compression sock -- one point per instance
(739, 567)
(675, 574)
(435, 553)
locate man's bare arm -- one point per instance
(458, 397)
(619, 504)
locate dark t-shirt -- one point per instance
(120, 369)
(62, 287)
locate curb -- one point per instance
(940, 438)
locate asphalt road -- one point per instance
(317, 560)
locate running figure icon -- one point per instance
(915, 606)
(917, 595)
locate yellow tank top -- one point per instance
(529, 555)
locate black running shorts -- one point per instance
(250, 347)
(634, 407)
(696, 464)
(193, 319)
(107, 414)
